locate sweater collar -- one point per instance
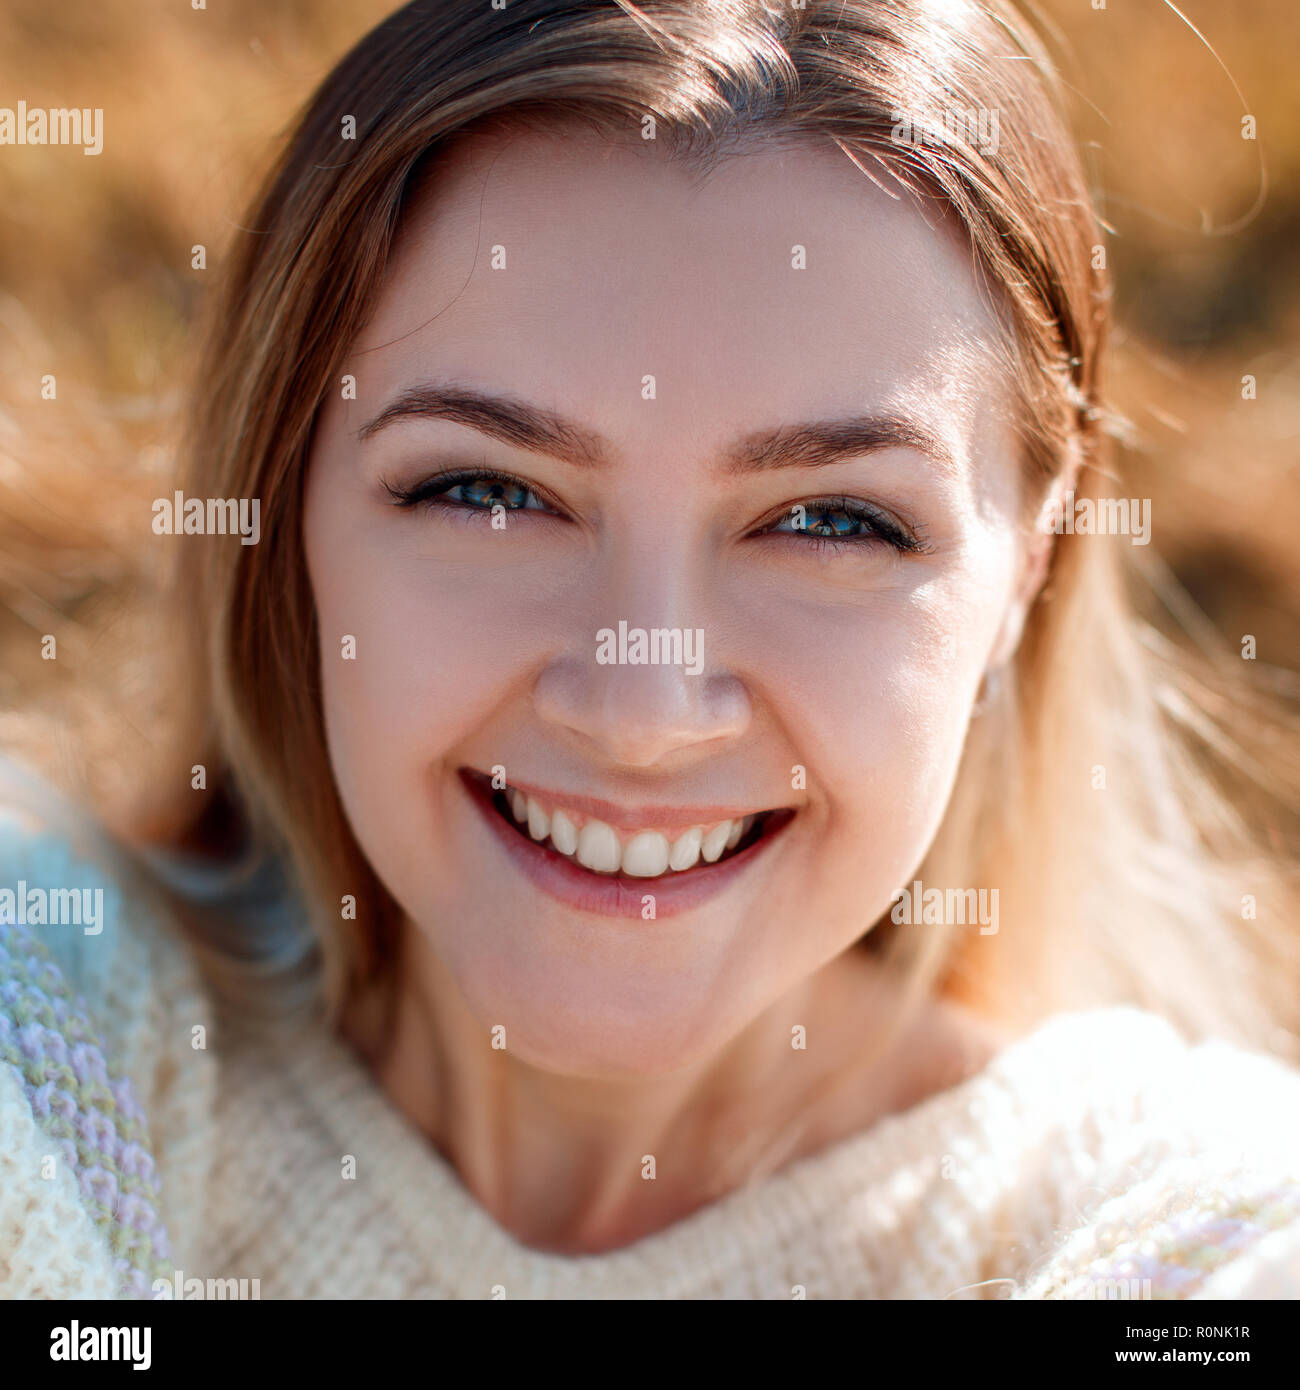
(766, 1226)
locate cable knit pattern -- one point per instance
(1100, 1156)
(1169, 1252)
(92, 1118)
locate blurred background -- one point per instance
(97, 288)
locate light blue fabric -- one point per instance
(53, 981)
(248, 898)
(49, 843)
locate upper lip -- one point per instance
(659, 815)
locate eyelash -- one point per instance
(883, 528)
(431, 492)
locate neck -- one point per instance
(579, 1164)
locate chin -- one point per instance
(604, 1031)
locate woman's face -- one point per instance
(760, 411)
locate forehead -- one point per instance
(784, 281)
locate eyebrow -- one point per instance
(542, 431)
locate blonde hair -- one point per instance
(1138, 889)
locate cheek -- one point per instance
(875, 695)
(906, 739)
(434, 652)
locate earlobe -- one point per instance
(1008, 639)
(1035, 566)
(1033, 577)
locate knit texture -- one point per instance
(92, 1119)
(1100, 1156)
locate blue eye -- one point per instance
(835, 521)
(829, 523)
(478, 490)
(488, 492)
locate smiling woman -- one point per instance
(559, 322)
(669, 506)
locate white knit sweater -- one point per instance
(1099, 1156)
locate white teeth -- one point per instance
(685, 853)
(646, 855)
(715, 842)
(564, 834)
(539, 823)
(598, 848)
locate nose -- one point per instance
(642, 693)
(639, 715)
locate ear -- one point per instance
(1033, 574)
(1033, 569)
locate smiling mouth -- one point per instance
(631, 856)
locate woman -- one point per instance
(658, 808)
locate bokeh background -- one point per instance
(96, 287)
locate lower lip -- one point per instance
(607, 895)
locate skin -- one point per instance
(477, 648)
